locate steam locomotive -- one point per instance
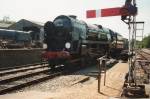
(68, 38)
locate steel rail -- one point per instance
(21, 70)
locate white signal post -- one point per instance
(98, 13)
(131, 49)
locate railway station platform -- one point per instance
(115, 77)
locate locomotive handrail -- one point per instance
(102, 63)
(101, 57)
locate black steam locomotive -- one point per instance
(68, 38)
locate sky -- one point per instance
(47, 10)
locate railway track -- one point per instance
(145, 54)
(20, 77)
(143, 63)
(16, 78)
(23, 69)
(22, 66)
(141, 74)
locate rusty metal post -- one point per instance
(102, 64)
(104, 71)
(148, 78)
(99, 74)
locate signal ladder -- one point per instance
(136, 31)
(139, 34)
(137, 44)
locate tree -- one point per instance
(146, 42)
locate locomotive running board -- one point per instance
(94, 42)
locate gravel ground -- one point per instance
(64, 81)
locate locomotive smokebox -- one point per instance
(73, 16)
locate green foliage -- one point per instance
(146, 42)
(138, 44)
